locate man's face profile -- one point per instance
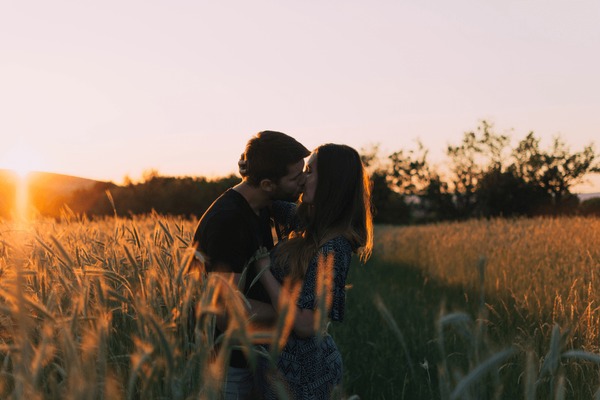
(290, 186)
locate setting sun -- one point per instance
(21, 160)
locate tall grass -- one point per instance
(538, 271)
(485, 309)
(474, 310)
(112, 309)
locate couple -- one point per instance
(333, 218)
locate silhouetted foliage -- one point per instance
(410, 172)
(165, 195)
(504, 194)
(480, 152)
(389, 206)
(483, 177)
(437, 202)
(590, 207)
(93, 201)
(555, 170)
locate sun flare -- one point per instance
(20, 160)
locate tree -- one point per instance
(418, 181)
(555, 170)
(437, 201)
(590, 207)
(389, 206)
(505, 194)
(480, 152)
(410, 171)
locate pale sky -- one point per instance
(104, 89)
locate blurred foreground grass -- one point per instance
(490, 309)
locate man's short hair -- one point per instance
(268, 155)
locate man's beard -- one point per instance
(291, 197)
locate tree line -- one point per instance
(483, 176)
(188, 197)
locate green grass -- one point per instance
(376, 365)
(447, 328)
(399, 358)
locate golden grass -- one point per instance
(549, 267)
(111, 309)
(534, 282)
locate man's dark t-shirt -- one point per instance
(228, 235)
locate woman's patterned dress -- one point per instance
(312, 366)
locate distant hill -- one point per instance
(63, 184)
(46, 192)
(60, 184)
(586, 196)
(49, 193)
(57, 183)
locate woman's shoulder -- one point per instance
(336, 244)
(284, 212)
(285, 216)
(287, 206)
(339, 240)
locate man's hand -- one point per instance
(262, 259)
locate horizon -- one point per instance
(21, 168)
(582, 189)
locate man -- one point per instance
(238, 223)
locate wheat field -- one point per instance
(481, 309)
(471, 310)
(546, 269)
(111, 309)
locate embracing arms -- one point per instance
(304, 321)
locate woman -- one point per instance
(332, 220)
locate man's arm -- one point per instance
(259, 313)
(222, 242)
(304, 322)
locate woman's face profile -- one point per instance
(310, 187)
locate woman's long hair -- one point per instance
(342, 206)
